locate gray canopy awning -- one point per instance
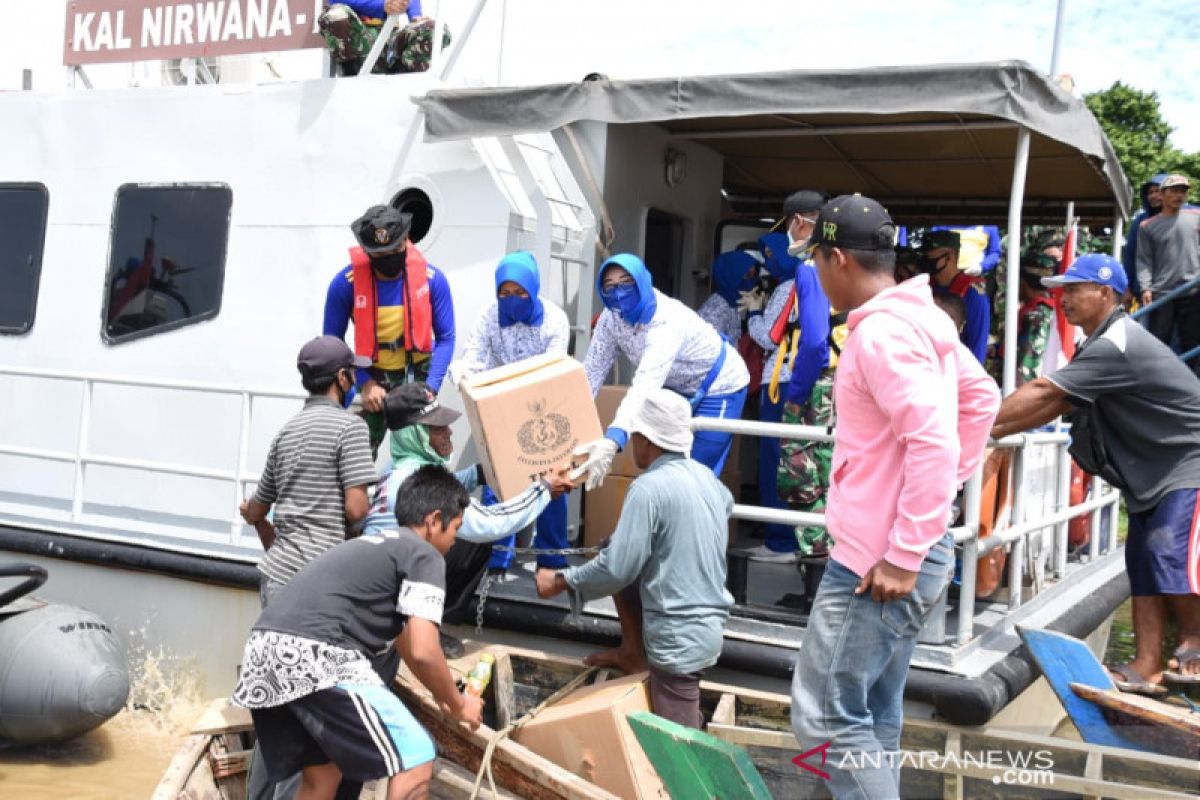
(932, 143)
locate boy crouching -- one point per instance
(318, 706)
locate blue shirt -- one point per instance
(390, 326)
(812, 354)
(672, 534)
(374, 9)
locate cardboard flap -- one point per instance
(513, 370)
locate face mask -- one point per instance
(391, 265)
(514, 308)
(930, 266)
(622, 299)
(796, 247)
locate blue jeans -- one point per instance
(780, 538)
(848, 683)
(551, 534)
(711, 448)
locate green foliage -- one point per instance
(1134, 124)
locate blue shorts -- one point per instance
(365, 730)
(1162, 551)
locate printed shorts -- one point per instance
(1162, 551)
(365, 730)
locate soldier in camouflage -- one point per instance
(350, 32)
(803, 477)
(1036, 317)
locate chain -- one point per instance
(574, 620)
(484, 585)
(545, 551)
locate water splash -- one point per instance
(126, 756)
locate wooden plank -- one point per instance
(452, 781)
(222, 716)
(1094, 769)
(726, 711)
(693, 764)
(1063, 660)
(1155, 725)
(180, 769)
(502, 682)
(952, 786)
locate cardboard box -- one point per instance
(527, 417)
(586, 733)
(607, 401)
(602, 508)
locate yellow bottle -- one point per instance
(480, 675)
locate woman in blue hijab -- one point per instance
(520, 324)
(670, 346)
(733, 274)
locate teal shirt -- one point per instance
(672, 536)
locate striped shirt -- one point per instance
(319, 453)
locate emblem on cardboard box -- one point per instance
(544, 433)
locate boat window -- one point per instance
(23, 208)
(166, 259)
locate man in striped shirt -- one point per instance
(318, 470)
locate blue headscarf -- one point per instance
(642, 310)
(729, 274)
(521, 268)
(781, 266)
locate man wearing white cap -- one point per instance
(664, 564)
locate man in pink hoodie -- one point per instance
(914, 411)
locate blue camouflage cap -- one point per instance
(1092, 268)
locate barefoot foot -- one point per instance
(625, 660)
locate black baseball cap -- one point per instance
(411, 403)
(855, 223)
(935, 240)
(804, 201)
(325, 355)
(381, 229)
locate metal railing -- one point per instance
(1016, 535)
(81, 457)
(1178, 291)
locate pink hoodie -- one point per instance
(914, 409)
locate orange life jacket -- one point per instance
(418, 306)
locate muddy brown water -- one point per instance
(125, 757)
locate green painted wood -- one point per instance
(694, 765)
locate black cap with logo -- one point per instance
(411, 403)
(325, 355)
(381, 229)
(854, 222)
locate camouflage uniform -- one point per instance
(349, 40)
(803, 476)
(1033, 334)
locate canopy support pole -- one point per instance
(1013, 264)
(1118, 235)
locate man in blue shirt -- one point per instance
(939, 258)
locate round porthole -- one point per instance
(417, 203)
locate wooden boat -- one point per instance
(1104, 715)
(954, 761)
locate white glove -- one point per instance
(753, 300)
(459, 371)
(975, 270)
(600, 454)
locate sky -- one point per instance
(1152, 45)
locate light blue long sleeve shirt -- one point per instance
(481, 524)
(672, 535)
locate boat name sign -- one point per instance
(113, 31)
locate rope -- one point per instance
(485, 765)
